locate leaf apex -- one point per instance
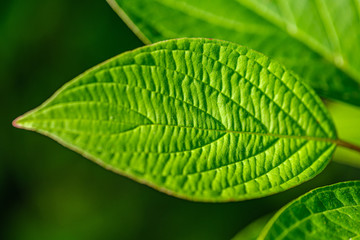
(16, 123)
(21, 121)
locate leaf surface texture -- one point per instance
(331, 212)
(201, 119)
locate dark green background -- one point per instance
(50, 192)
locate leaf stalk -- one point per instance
(348, 145)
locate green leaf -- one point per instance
(319, 39)
(200, 119)
(331, 212)
(253, 230)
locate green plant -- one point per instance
(210, 120)
(330, 212)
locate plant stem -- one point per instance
(348, 145)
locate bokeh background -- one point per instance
(50, 192)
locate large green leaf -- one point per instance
(319, 40)
(331, 212)
(200, 119)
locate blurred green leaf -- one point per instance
(253, 230)
(330, 212)
(346, 119)
(200, 119)
(319, 39)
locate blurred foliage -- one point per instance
(49, 192)
(253, 230)
(347, 121)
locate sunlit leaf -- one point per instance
(200, 119)
(319, 39)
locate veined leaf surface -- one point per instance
(200, 119)
(331, 212)
(319, 40)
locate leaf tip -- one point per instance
(22, 122)
(17, 122)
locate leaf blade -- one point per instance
(203, 119)
(327, 212)
(317, 45)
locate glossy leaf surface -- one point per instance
(331, 212)
(319, 39)
(200, 119)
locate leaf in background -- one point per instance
(346, 119)
(331, 212)
(253, 230)
(200, 119)
(319, 39)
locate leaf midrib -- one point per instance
(201, 14)
(303, 137)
